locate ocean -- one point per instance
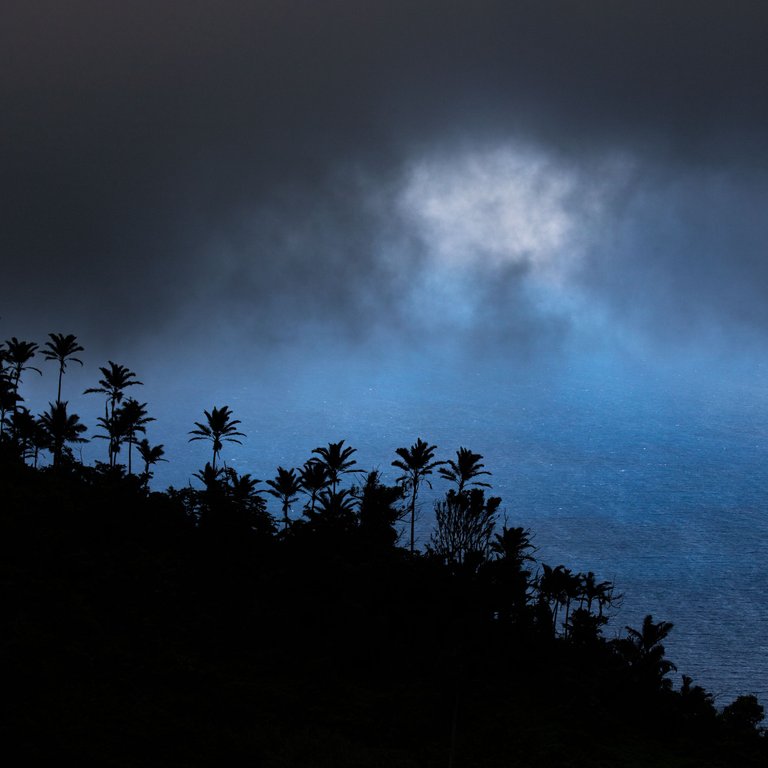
(655, 480)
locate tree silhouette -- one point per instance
(744, 714)
(62, 349)
(150, 455)
(335, 511)
(313, 477)
(285, 487)
(219, 427)
(643, 650)
(18, 354)
(8, 399)
(559, 586)
(40, 441)
(336, 460)
(248, 508)
(464, 470)
(416, 464)
(132, 418)
(593, 591)
(24, 428)
(464, 526)
(209, 476)
(513, 545)
(379, 510)
(61, 428)
(115, 379)
(513, 550)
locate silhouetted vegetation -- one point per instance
(193, 627)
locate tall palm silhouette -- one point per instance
(514, 549)
(18, 354)
(114, 380)
(557, 586)
(465, 469)
(219, 427)
(133, 419)
(114, 434)
(594, 591)
(62, 349)
(61, 428)
(416, 463)
(285, 487)
(336, 460)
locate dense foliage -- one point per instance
(193, 627)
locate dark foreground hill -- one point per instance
(184, 629)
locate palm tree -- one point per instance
(133, 418)
(379, 510)
(213, 479)
(39, 441)
(644, 651)
(466, 467)
(24, 429)
(593, 591)
(62, 349)
(313, 477)
(514, 549)
(558, 586)
(336, 460)
(513, 545)
(150, 454)
(248, 506)
(243, 488)
(8, 400)
(285, 487)
(335, 510)
(416, 463)
(115, 379)
(219, 426)
(62, 428)
(114, 428)
(18, 354)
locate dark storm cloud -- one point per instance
(164, 158)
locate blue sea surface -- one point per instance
(654, 480)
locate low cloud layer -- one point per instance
(266, 168)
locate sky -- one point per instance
(254, 177)
(300, 200)
(536, 228)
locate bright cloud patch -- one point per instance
(504, 207)
(504, 232)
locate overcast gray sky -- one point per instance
(511, 173)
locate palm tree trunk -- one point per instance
(58, 393)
